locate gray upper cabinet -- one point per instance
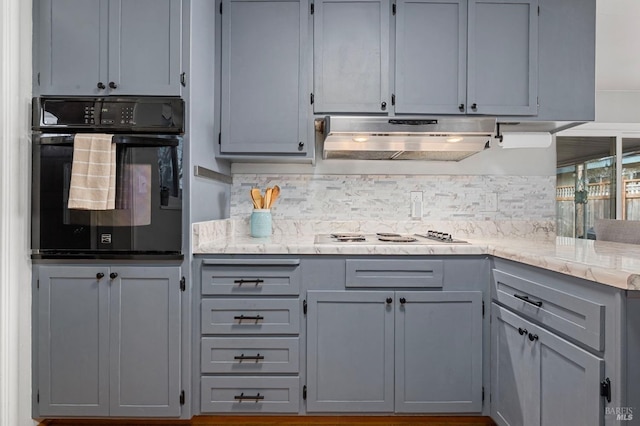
(503, 57)
(109, 47)
(265, 95)
(351, 56)
(108, 341)
(566, 60)
(431, 56)
(449, 57)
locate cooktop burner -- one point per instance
(351, 238)
(396, 238)
(346, 235)
(440, 236)
(430, 237)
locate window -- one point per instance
(597, 177)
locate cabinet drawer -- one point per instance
(566, 313)
(251, 277)
(250, 316)
(250, 394)
(249, 355)
(394, 273)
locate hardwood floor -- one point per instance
(288, 421)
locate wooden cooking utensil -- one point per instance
(274, 194)
(267, 198)
(256, 197)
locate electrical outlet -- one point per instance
(416, 204)
(491, 202)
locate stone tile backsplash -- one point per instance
(386, 197)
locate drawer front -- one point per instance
(238, 277)
(250, 316)
(394, 273)
(250, 355)
(250, 394)
(573, 316)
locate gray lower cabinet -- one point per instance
(108, 47)
(539, 378)
(249, 327)
(386, 351)
(265, 95)
(108, 341)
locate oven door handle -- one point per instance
(128, 140)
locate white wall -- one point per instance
(15, 276)
(617, 61)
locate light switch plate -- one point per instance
(491, 202)
(416, 204)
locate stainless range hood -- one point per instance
(393, 138)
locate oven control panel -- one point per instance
(112, 115)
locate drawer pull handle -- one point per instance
(522, 331)
(526, 299)
(257, 282)
(533, 337)
(243, 357)
(242, 397)
(255, 318)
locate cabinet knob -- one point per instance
(533, 337)
(474, 107)
(522, 331)
(389, 300)
(101, 85)
(113, 85)
(383, 106)
(100, 275)
(300, 146)
(113, 275)
(403, 300)
(461, 107)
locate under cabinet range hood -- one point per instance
(406, 138)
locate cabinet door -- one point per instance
(438, 340)
(264, 85)
(350, 351)
(72, 46)
(503, 57)
(144, 47)
(73, 341)
(536, 376)
(351, 55)
(567, 60)
(562, 369)
(431, 56)
(145, 342)
(514, 388)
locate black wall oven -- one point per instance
(147, 220)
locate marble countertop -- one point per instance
(613, 264)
